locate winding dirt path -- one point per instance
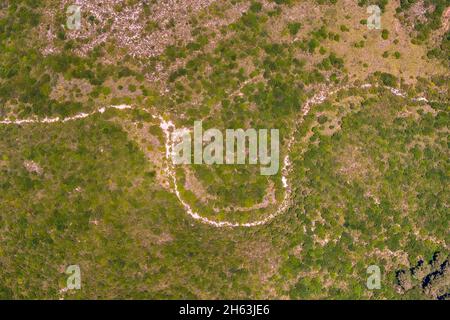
(168, 127)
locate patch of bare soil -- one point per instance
(353, 164)
(73, 89)
(195, 186)
(393, 258)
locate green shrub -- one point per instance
(294, 27)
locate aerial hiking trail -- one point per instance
(167, 127)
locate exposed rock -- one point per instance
(32, 167)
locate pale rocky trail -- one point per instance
(168, 127)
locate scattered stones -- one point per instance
(32, 167)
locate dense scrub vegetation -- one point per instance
(370, 169)
(424, 27)
(28, 77)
